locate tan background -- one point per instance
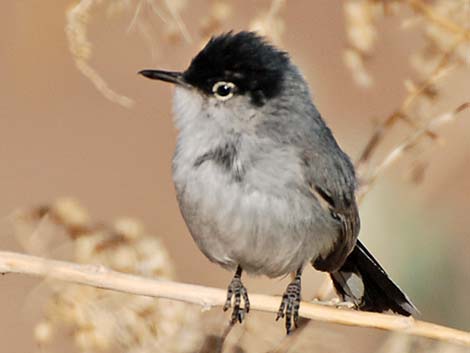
(60, 137)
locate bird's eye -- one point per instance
(223, 90)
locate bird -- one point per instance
(262, 184)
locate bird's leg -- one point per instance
(291, 302)
(237, 290)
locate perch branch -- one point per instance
(101, 277)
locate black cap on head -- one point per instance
(244, 58)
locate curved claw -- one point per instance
(290, 304)
(238, 292)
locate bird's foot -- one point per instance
(290, 304)
(237, 290)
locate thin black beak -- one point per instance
(167, 76)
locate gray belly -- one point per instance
(271, 231)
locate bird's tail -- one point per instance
(364, 282)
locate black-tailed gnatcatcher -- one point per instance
(261, 182)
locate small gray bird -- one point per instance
(260, 180)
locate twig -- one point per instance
(407, 144)
(440, 71)
(178, 21)
(427, 11)
(275, 8)
(101, 277)
(80, 47)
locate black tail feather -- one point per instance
(364, 282)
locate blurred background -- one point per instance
(61, 137)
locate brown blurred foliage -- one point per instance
(381, 71)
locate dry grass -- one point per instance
(110, 321)
(103, 320)
(78, 18)
(445, 51)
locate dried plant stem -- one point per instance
(427, 11)
(275, 8)
(440, 71)
(179, 22)
(407, 144)
(101, 277)
(76, 31)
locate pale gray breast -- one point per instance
(252, 211)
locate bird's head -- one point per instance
(238, 80)
(230, 65)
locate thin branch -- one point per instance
(76, 31)
(178, 21)
(427, 11)
(101, 277)
(410, 142)
(275, 8)
(135, 17)
(440, 71)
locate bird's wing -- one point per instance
(331, 181)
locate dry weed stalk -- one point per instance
(78, 17)
(443, 54)
(107, 320)
(101, 277)
(270, 24)
(168, 13)
(446, 49)
(407, 144)
(77, 20)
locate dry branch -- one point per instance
(101, 277)
(410, 142)
(80, 47)
(441, 70)
(445, 23)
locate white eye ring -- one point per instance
(223, 90)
